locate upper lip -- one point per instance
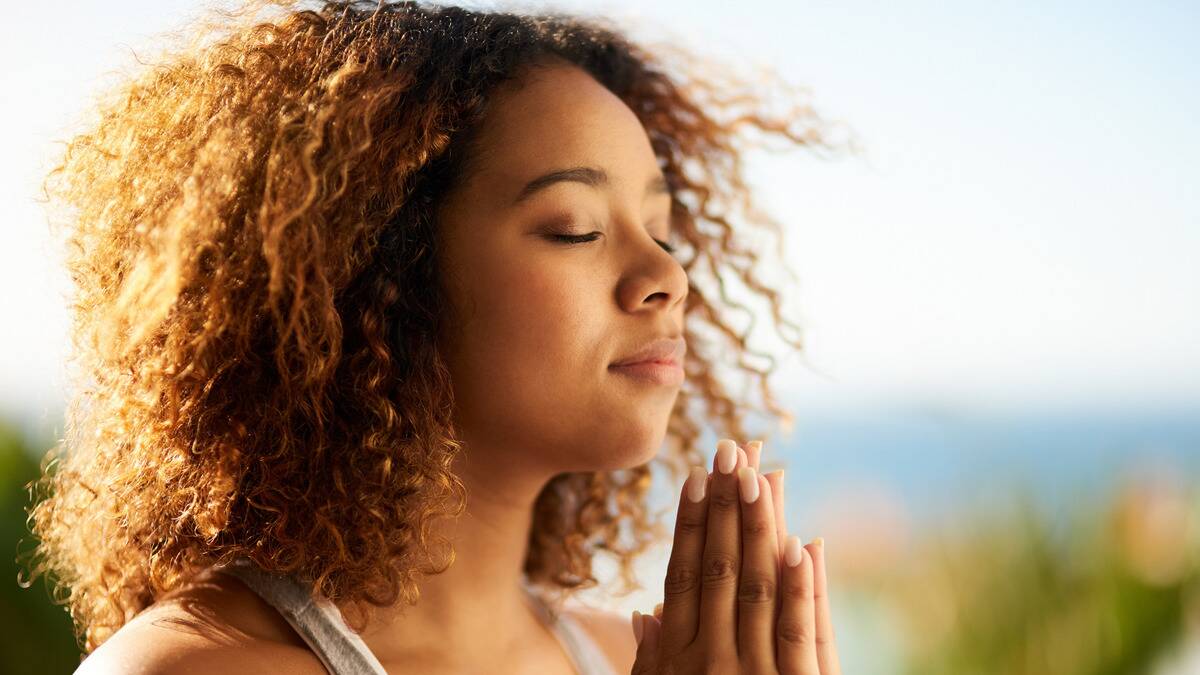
(664, 350)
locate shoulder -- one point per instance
(212, 625)
(145, 652)
(611, 631)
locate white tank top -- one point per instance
(321, 625)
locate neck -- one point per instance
(476, 609)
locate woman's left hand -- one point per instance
(817, 629)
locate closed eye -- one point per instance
(592, 236)
(576, 238)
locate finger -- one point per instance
(652, 631)
(758, 582)
(721, 561)
(775, 481)
(681, 589)
(796, 632)
(775, 478)
(754, 454)
(652, 634)
(827, 655)
(646, 630)
(658, 611)
(774, 485)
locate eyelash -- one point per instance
(591, 236)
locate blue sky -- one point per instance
(1022, 232)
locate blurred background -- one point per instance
(998, 406)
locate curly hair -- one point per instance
(249, 232)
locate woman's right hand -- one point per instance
(731, 602)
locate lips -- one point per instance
(653, 372)
(667, 351)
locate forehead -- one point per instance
(553, 117)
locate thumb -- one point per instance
(647, 628)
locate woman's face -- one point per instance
(536, 322)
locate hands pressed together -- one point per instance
(741, 596)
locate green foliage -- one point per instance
(35, 634)
(1008, 592)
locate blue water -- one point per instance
(937, 462)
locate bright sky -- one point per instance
(1024, 230)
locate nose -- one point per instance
(653, 280)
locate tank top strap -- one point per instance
(585, 654)
(315, 618)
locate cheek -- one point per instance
(533, 350)
(535, 324)
(533, 373)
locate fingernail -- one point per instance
(819, 542)
(726, 455)
(748, 482)
(757, 445)
(697, 481)
(637, 626)
(793, 551)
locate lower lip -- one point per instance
(657, 372)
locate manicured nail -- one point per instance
(757, 445)
(696, 482)
(748, 484)
(637, 626)
(727, 451)
(793, 551)
(819, 543)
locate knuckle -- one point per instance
(756, 528)
(690, 525)
(680, 580)
(794, 633)
(719, 570)
(723, 502)
(795, 592)
(756, 591)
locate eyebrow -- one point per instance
(590, 176)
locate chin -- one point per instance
(617, 435)
(636, 454)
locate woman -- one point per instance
(379, 304)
